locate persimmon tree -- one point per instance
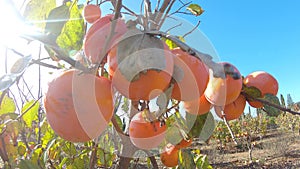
(125, 91)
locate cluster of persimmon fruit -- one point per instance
(80, 105)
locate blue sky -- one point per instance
(257, 35)
(254, 35)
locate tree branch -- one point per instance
(158, 14)
(165, 15)
(178, 10)
(191, 31)
(271, 104)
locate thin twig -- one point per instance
(147, 10)
(229, 128)
(168, 30)
(178, 10)
(15, 100)
(93, 155)
(130, 11)
(152, 159)
(118, 5)
(27, 87)
(165, 15)
(191, 31)
(39, 95)
(38, 62)
(157, 6)
(158, 14)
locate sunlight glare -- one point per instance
(12, 26)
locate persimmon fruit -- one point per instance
(132, 65)
(78, 106)
(91, 13)
(264, 82)
(146, 134)
(192, 76)
(169, 157)
(222, 91)
(97, 36)
(232, 110)
(197, 107)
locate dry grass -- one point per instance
(277, 149)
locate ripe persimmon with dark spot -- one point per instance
(263, 81)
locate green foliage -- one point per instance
(36, 11)
(186, 159)
(270, 110)
(202, 162)
(56, 20)
(171, 44)
(290, 101)
(208, 128)
(252, 91)
(30, 110)
(28, 164)
(7, 105)
(195, 9)
(195, 123)
(72, 34)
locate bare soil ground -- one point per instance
(277, 149)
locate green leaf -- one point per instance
(252, 92)
(7, 105)
(270, 110)
(36, 156)
(195, 9)
(71, 37)
(282, 101)
(48, 133)
(57, 19)
(30, 109)
(119, 121)
(36, 11)
(46, 153)
(195, 124)
(78, 163)
(21, 148)
(208, 128)
(69, 148)
(202, 162)
(28, 164)
(173, 134)
(20, 65)
(186, 159)
(125, 104)
(63, 162)
(171, 44)
(6, 81)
